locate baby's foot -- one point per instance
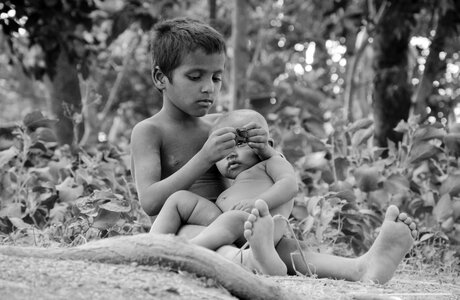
(259, 229)
(395, 239)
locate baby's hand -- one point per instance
(219, 144)
(245, 205)
(257, 138)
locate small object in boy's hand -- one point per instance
(241, 136)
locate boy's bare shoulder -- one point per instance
(147, 127)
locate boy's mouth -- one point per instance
(207, 102)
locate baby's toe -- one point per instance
(247, 225)
(414, 233)
(402, 217)
(252, 218)
(412, 226)
(408, 221)
(247, 234)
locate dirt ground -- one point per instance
(33, 278)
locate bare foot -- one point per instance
(259, 230)
(395, 239)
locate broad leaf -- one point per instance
(361, 136)
(359, 124)
(443, 209)
(423, 151)
(428, 132)
(69, 191)
(7, 155)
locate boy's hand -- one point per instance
(257, 138)
(244, 205)
(219, 144)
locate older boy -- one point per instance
(173, 151)
(272, 180)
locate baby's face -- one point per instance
(240, 159)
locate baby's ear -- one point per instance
(271, 142)
(158, 78)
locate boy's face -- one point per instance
(196, 83)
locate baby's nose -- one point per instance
(232, 156)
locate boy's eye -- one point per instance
(217, 78)
(193, 77)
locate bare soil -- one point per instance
(38, 278)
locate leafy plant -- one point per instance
(346, 189)
(66, 197)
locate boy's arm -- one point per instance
(146, 157)
(285, 185)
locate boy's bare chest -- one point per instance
(179, 145)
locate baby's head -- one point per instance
(239, 118)
(242, 157)
(173, 39)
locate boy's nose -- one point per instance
(208, 87)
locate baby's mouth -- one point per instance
(232, 165)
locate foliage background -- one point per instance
(311, 70)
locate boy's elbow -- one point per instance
(149, 206)
(293, 187)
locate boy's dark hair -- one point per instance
(173, 39)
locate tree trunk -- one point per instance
(392, 93)
(65, 92)
(240, 54)
(434, 66)
(167, 251)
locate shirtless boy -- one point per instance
(272, 180)
(173, 150)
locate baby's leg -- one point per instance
(225, 230)
(184, 207)
(260, 231)
(378, 264)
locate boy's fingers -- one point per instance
(223, 131)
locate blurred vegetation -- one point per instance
(364, 127)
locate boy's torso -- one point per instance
(179, 143)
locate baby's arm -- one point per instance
(146, 158)
(285, 185)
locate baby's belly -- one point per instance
(208, 188)
(238, 192)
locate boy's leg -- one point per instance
(184, 207)
(378, 264)
(225, 230)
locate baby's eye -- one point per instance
(240, 143)
(217, 79)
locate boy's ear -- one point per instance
(159, 78)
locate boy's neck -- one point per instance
(176, 115)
